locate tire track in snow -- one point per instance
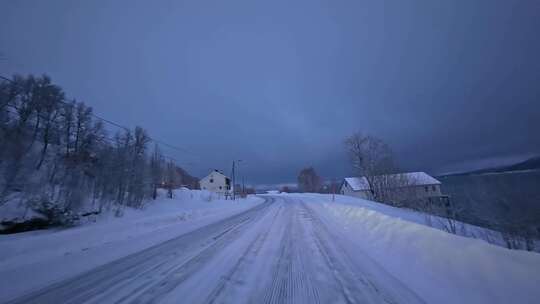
(348, 286)
(247, 258)
(355, 285)
(290, 282)
(178, 275)
(300, 260)
(120, 280)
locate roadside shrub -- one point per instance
(54, 214)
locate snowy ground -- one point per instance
(299, 248)
(438, 266)
(33, 260)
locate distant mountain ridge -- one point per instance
(529, 164)
(532, 163)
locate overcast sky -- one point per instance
(450, 85)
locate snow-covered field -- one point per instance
(35, 259)
(277, 248)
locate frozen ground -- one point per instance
(288, 249)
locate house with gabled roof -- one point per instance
(217, 182)
(405, 186)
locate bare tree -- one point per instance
(156, 169)
(308, 180)
(138, 186)
(55, 156)
(372, 158)
(171, 178)
(50, 113)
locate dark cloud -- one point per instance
(280, 84)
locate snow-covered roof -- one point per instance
(213, 173)
(357, 183)
(420, 178)
(409, 179)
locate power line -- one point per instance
(68, 102)
(110, 122)
(109, 140)
(171, 146)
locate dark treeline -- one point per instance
(57, 159)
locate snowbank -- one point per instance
(15, 210)
(440, 267)
(35, 259)
(345, 204)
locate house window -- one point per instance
(427, 188)
(211, 180)
(434, 188)
(219, 187)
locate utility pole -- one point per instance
(243, 187)
(232, 175)
(333, 189)
(234, 178)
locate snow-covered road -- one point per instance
(280, 251)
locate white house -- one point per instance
(406, 186)
(216, 182)
(356, 186)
